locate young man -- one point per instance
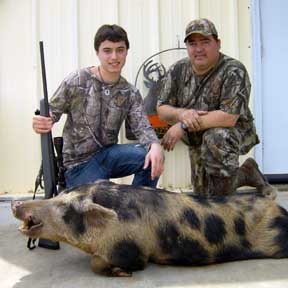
(205, 98)
(97, 100)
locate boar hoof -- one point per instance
(99, 265)
(118, 272)
(269, 192)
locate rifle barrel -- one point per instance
(44, 81)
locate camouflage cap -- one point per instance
(200, 26)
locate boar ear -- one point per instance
(97, 215)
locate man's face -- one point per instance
(112, 55)
(203, 52)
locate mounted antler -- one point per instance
(154, 73)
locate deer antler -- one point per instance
(153, 72)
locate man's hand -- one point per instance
(192, 119)
(155, 156)
(42, 124)
(172, 136)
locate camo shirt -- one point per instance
(95, 112)
(226, 87)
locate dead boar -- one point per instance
(124, 227)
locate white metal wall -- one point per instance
(67, 28)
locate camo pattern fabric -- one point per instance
(218, 155)
(226, 87)
(95, 112)
(202, 26)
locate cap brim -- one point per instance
(197, 32)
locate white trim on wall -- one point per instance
(257, 77)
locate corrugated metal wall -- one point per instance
(67, 28)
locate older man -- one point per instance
(205, 98)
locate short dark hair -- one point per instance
(112, 33)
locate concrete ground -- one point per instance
(69, 267)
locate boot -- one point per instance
(250, 175)
(221, 186)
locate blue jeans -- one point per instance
(116, 161)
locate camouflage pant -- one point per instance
(214, 152)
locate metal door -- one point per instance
(270, 79)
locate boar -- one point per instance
(124, 227)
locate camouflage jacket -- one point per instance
(226, 87)
(95, 112)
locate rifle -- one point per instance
(48, 167)
(47, 147)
